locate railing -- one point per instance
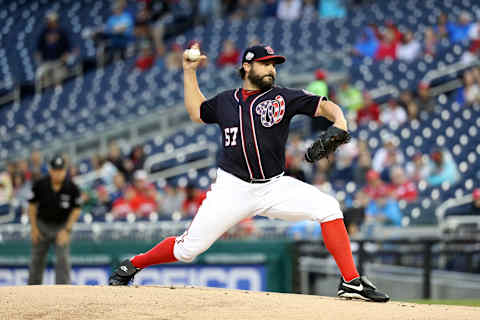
(369, 250)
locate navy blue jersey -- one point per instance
(255, 131)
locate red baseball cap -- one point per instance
(476, 194)
(320, 74)
(262, 53)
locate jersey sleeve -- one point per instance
(208, 110)
(302, 102)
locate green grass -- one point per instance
(472, 303)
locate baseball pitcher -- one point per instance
(254, 122)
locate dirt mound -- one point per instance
(139, 302)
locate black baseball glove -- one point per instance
(327, 143)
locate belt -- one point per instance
(261, 180)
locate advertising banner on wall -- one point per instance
(244, 277)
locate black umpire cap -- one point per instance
(57, 162)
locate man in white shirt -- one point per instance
(409, 49)
(394, 114)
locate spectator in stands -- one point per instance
(409, 49)
(344, 164)
(369, 112)
(21, 191)
(368, 44)
(144, 200)
(424, 99)
(52, 53)
(393, 114)
(405, 98)
(88, 198)
(430, 42)
(407, 102)
(193, 199)
(417, 169)
(107, 171)
(325, 165)
(115, 157)
(387, 48)
(458, 31)
(375, 187)
(146, 59)
(38, 167)
(319, 86)
(441, 29)
(350, 97)
(469, 94)
(119, 29)
(143, 31)
(402, 188)
(320, 181)
(468, 209)
(294, 168)
(174, 58)
(387, 156)
(362, 166)
(229, 55)
(474, 49)
(384, 210)
(6, 192)
(397, 35)
(289, 10)
(104, 204)
(121, 206)
(354, 216)
(119, 185)
(412, 111)
(138, 157)
(96, 201)
(442, 168)
(24, 169)
(173, 198)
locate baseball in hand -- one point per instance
(193, 54)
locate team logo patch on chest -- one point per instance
(271, 111)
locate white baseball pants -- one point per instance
(231, 200)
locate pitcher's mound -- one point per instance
(83, 302)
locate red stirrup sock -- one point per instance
(161, 253)
(337, 242)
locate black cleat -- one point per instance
(361, 288)
(123, 275)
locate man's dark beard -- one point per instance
(261, 82)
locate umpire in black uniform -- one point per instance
(54, 208)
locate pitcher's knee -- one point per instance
(332, 208)
(186, 253)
